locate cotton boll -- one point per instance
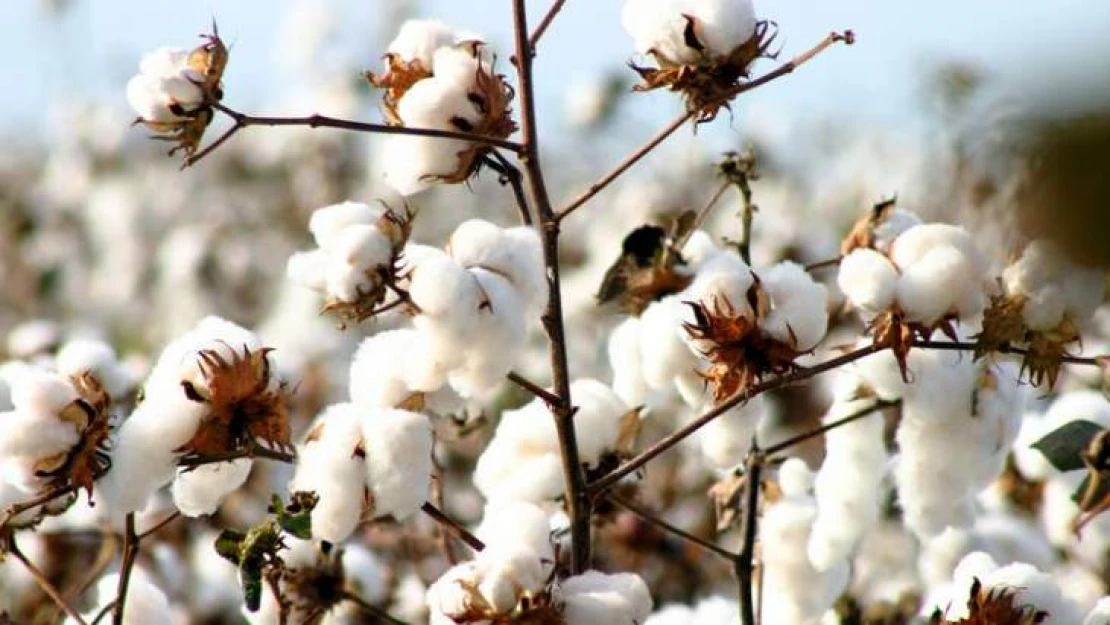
(388, 367)
(410, 164)
(868, 280)
(658, 30)
(594, 598)
(881, 374)
(514, 253)
(624, 358)
(896, 222)
(663, 350)
(438, 285)
(1044, 310)
(509, 524)
(199, 492)
(914, 244)
(928, 288)
(98, 358)
(798, 315)
(724, 24)
(598, 420)
(398, 461)
(417, 40)
(327, 224)
(328, 464)
(490, 352)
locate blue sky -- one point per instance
(95, 45)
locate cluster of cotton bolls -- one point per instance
(1052, 289)
(358, 246)
(167, 88)
(662, 28)
(188, 380)
(473, 302)
(523, 462)
(363, 462)
(926, 272)
(442, 80)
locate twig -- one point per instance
(578, 501)
(743, 562)
(164, 522)
(370, 609)
(452, 526)
(254, 451)
(130, 553)
(1004, 349)
(533, 388)
(780, 71)
(665, 443)
(443, 538)
(510, 175)
(699, 219)
(544, 23)
(104, 611)
(44, 584)
(831, 262)
(646, 515)
(855, 416)
(242, 120)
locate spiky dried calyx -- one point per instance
(993, 606)
(740, 354)
(86, 461)
(245, 405)
(708, 85)
(891, 329)
(862, 234)
(1043, 350)
(539, 608)
(384, 279)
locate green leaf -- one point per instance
(1064, 446)
(229, 545)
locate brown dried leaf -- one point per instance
(994, 606)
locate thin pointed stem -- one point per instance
(510, 175)
(743, 562)
(533, 388)
(452, 526)
(855, 416)
(651, 518)
(549, 17)
(130, 554)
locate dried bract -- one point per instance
(993, 606)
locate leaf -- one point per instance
(1064, 446)
(229, 545)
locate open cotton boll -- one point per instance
(723, 25)
(664, 353)
(164, 79)
(868, 280)
(355, 260)
(398, 446)
(657, 27)
(439, 285)
(798, 306)
(417, 40)
(595, 598)
(328, 464)
(508, 524)
(1028, 587)
(929, 288)
(598, 420)
(411, 164)
(199, 492)
(514, 253)
(915, 243)
(522, 461)
(309, 269)
(388, 367)
(491, 349)
(327, 224)
(1054, 286)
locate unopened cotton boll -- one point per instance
(398, 447)
(595, 598)
(328, 465)
(199, 491)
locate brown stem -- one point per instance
(780, 71)
(371, 609)
(43, 582)
(130, 553)
(17, 509)
(544, 23)
(831, 262)
(747, 212)
(452, 526)
(743, 562)
(665, 443)
(647, 515)
(578, 501)
(509, 174)
(254, 451)
(164, 522)
(1004, 349)
(443, 538)
(855, 416)
(533, 388)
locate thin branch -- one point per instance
(371, 609)
(130, 553)
(855, 416)
(699, 219)
(443, 538)
(665, 443)
(743, 562)
(43, 582)
(780, 71)
(243, 120)
(647, 515)
(510, 175)
(254, 451)
(452, 526)
(831, 262)
(1004, 349)
(104, 611)
(192, 159)
(164, 522)
(533, 388)
(577, 498)
(544, 23)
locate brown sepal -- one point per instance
(994, 606)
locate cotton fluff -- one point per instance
(398, 448)
(199, 491)
(1100, 614)
(1053, 287)
(146, 603)
(166, 89)
(659, 28)
(793, 589)
(79, 356)
(930, 271)
(1029, 587)
(522, 461)
(145, 454)
(42, 427)
(328, 464)
(596, 598)
(352, 252)
(515, 563)
(848, 486)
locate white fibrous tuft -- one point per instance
(664, 356)
(45, 423)
(794, 590)
(166, 89)
(628, 369)
(199, 491)
(328, 464)
(522, 462)
(153, 438)
(146, 603)
(661, 27)
(715, 610)
(929, 272)
(398, 449)
(516, 524)
(1052, 287)
(513, 253)
(595, 598)
(356, 249)
(848, 486)
(79, 356)
(955, 408)
(1029, 589)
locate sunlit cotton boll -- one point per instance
(659, 27)
(1031, 588)
(390, 366)
(417, 40)
(798, 314)
(868, 280)
(199, 491)
(1053, 285)
(328, 465)
(514, 253)
(164, 81)
(595, 598)
(398, 449)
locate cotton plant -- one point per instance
(437, 78)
